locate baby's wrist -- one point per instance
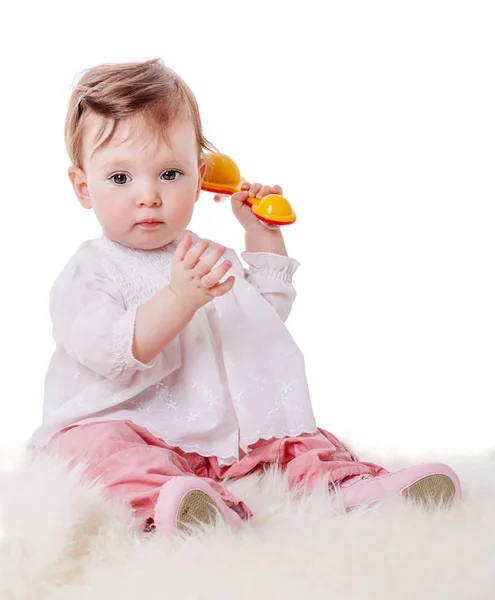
(179, 304)
(255, 227)
(265, 240)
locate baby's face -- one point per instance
(141, 188)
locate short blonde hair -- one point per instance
(122, 90)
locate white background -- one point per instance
(378, 118)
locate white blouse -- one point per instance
(233, 376)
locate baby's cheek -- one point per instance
(182, 206)
(114, 220)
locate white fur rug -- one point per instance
(60, 540)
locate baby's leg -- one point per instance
(322, 455)
(135, 466)
(307, 458)
(310, 458)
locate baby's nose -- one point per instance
(149, 198)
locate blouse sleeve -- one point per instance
(91, 322)
(271, 275)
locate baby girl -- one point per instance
(173, 369)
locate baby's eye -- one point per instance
(171, 174)
(119, 178)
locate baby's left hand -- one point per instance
(242, 210)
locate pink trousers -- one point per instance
(133, 464)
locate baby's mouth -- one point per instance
(150, 223)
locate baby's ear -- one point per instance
(78, 179)
(201, 175)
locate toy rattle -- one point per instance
(223, 178)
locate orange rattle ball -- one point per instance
(222, 175)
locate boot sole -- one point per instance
(195, 509)
(432, 490)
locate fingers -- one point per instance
(240, 197)
(206, 263)
(256, 190)
(194, 253)
(199, 265)
(211, 279)
(196, 275)
(183, 248)
(222, 288)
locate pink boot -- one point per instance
(426, 484)
(186, 502)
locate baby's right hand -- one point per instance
(194, 281)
